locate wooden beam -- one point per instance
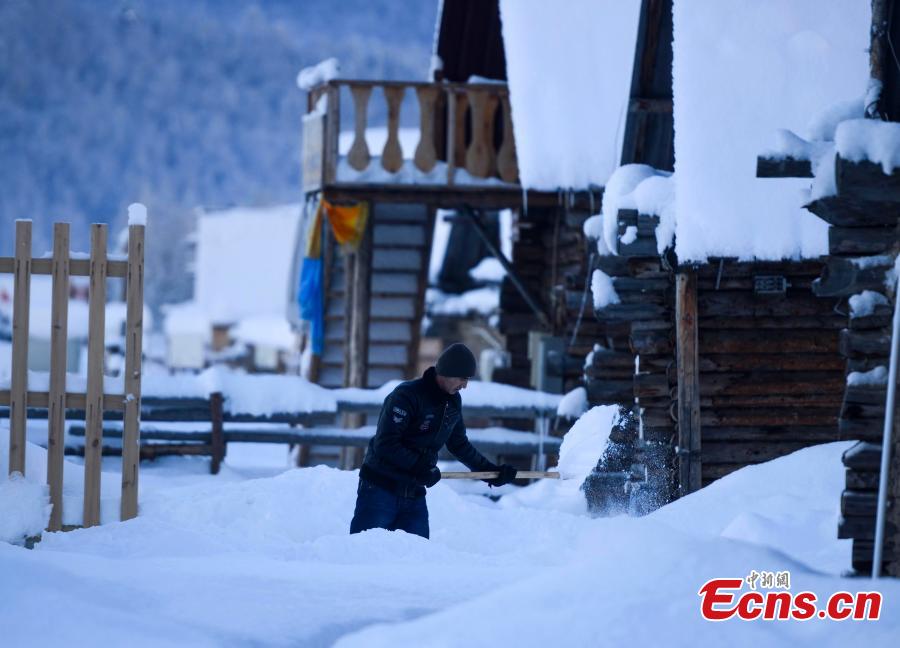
(688, 373)
(20, 333)
(134, 335)
(782, 167)
(861, 241)
(56, 417)
(96, 351)
(847, 212)
(38, 400)
(77, 267)
(455, 196)
(332, 133)
(845, 277)
(866, 181)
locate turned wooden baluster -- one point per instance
(359, 157)
(507, 164)
(426, 154)
(392, 157)
(480, 158)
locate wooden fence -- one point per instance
(217, 426)
(93, 402)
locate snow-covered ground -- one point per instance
(260, 555)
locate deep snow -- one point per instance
(260, 555)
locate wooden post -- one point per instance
(56, 416)
(134, 335)
(392, 156)
(357, 358)
(18, 401)
(332, 134)
(878, 51)
(362, 275)
(358, 156)
(93, 428)
(688, 382)
(216, 416)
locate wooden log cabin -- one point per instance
(726, 362)
(863, 212)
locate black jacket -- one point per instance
(416, 420)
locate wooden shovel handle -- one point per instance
(521, 474)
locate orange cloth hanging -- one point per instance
(348, 222)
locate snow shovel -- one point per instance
(493, 474)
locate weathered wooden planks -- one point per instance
(19, 379)
(58, 357)
(134, 335)
(94, 403)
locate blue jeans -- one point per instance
(377, 508)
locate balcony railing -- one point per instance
(464, 136)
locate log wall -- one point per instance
(550, 257)
(863, 241)
(770, 373)
(771, 377)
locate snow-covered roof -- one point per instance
(569, 71)
(243, 262)
(742, 70)
(186, 318)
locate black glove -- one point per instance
(507, 474)
(425, 473)
(431, 477)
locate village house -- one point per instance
(240, 311)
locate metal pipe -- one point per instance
(887, 434)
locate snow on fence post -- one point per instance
(56, 415)
(18, 396)
(134, 333)
(93, 425)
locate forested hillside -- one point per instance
(178, 104)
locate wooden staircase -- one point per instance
(374, 299)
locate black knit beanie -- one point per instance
(456, 362)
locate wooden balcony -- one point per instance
(464, 152)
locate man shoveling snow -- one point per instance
(417, 419)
